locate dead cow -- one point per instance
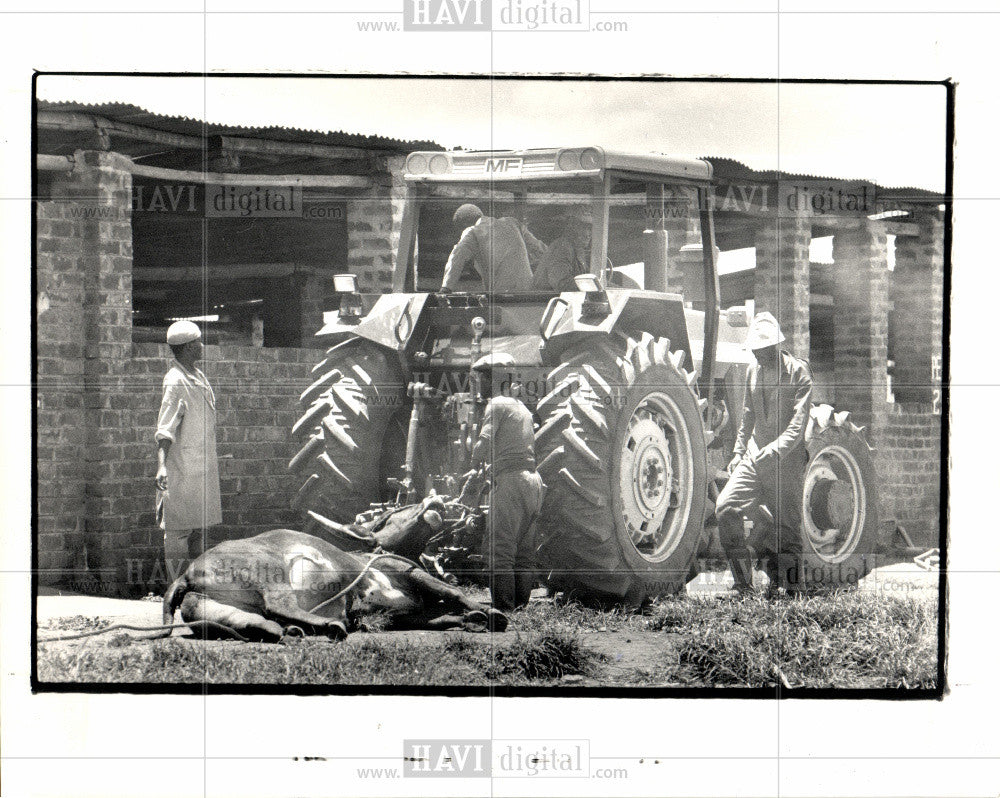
(265, 585)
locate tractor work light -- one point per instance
(595, 300)
(568, 160)
(440, 164)
(416, 164)
(591, 159)
(351, 309)
(345, 283)
(575, 160)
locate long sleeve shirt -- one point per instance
(499, 251)
(559, 265)
(775, 416)
(507, 437)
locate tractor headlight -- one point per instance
(440, 164)
(591, 158)
(416, 164)
(568, 160)
(573, 160)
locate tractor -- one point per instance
(636, 388)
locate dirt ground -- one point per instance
(705, 638)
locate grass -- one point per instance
(452, 659)
(850, 639)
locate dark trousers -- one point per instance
(515, 501)
(776, 483)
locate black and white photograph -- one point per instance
(353, 410)
(498, 398)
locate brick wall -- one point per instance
(781, 279)
(373, 224)
(106, 488)
(917, 295)
(909, 447)
(98, 397)
(369, 225)
(61, 466)
(908, 453)
(861, 326)
(84, 250)
(257, 393)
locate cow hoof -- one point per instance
(294, 631)
(497, 621)
(336, 630)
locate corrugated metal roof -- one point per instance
(727, 169)
(134, 115)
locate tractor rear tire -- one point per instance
(348, 430)
(622, 451)
(840, 525)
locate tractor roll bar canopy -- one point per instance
(542, 164)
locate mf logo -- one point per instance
(507, 166)
(441, 15)
(437, 758)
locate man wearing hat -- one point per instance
(507, 442)
(500, 249)
(187, 472)
(567, 256)
(774, 422)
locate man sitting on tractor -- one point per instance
(507, 442)
(567, 256)
(501, 250)
(776, 412)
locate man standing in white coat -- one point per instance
(187, 472)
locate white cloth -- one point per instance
(187, 419)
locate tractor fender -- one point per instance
(390, 322)
(660, 314)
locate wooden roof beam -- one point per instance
(76, 121)
(61, 163)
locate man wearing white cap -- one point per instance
(187, 473)
(507, 442)
(775, 414)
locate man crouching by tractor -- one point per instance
(507, 443)
(776, 412)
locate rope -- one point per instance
(164, 628)
(366, 569)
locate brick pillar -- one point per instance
(84, 334)
(682, 223)
(917, 295)
(395, 166)
(781, 279)
(61, 468)
(316, 296)
(933, 229)
(860, 337)
(373, 228)
(369, 224)
(99, 200)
